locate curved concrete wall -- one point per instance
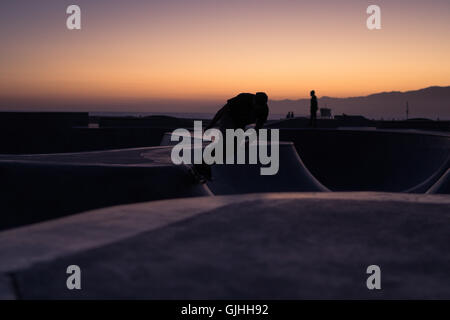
(442, 186)
(291, 176)
(370, 160)
(33, 191)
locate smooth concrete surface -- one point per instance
(7, 290)
(47, 186)
(348, 159)
(442, 186)
(372, 160)
(292, 176)
(41, 187)
(277, 246)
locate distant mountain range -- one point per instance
(431, 102)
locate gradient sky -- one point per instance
(208, 50)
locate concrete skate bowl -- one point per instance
(372, 160)
(292, 176)
(260, 246)
(41, 187)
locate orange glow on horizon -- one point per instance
(213, 57)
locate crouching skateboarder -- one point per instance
(239, 112)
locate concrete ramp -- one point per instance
(41, 187)
(433, 181)
(247, 178)
(292, 176)
(442, 186)
(372, 160)
(260, 246)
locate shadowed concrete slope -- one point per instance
(291, 176)
(55, 185)
(442, 186)
(344, 160)
(41, 187)
(297, 245)
(434, 181)
(372, 160)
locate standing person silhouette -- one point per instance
(314, 108)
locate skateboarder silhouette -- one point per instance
(242, 110)
(239, 112)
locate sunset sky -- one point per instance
(208, 50)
